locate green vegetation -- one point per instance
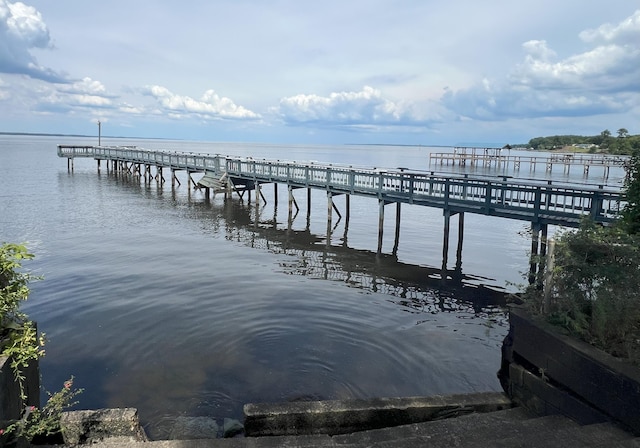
(20, 343)
(18, 336)
(622, 143)
(594, 289)
(38, 424)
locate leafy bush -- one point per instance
(595, 292)
(18, 336)
(43, 422)
(594, 289)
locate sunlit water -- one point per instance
(175, 305)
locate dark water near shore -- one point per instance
(183, 306)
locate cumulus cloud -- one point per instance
(603, 79)
(85, 95)
(22, 29)
(367, 107)
(625, 32)
(210, 106)
(85, 86)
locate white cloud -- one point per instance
(366, 107)
(603, 79)
(210, 106)
(88, 96)
(626, 31)
(22, 29)
(85, 86)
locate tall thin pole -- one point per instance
(99, 133)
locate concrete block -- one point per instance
(97, 425)
(344, 416)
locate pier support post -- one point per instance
(330, 207)
(445, 242)
(396, 239)
(460, 239)
(347, 206)
(290, 215)
(346, 219)
(380, 224)
(535, 239)
(543, 256)
(275, 194)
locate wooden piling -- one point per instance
(533, 262)
(460, 239)
(380, 224)
(445, 242)
(396, 238)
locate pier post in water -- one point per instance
(445, 242)
(396, 239)
(535, 240)
(380, 224)
(460, 239)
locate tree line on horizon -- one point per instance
(622, 143)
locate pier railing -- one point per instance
(544, 202)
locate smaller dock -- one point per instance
(503, 159)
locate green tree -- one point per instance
(623, 133)
(631, 211)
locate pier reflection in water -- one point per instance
(325, 342)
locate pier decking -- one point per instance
(540, 203)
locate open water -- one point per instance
(175, 305)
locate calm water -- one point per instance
(181, 306)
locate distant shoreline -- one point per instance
(416, 145)
(44, 134)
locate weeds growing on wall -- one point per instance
(595, 282)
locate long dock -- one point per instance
(540, 203)
(496, 158)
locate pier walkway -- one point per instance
(541, 203)
(546, 202)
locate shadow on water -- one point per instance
(415, 287)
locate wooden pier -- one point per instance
(540, 203)
(496, 158)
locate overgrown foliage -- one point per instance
(42, 422)
(18, 336)
(594, 292)
(631, 212)
(596, 288)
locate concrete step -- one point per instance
(474, 430)
(506, 428)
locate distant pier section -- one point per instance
(503, 159)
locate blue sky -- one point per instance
(296, 71)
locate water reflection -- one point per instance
(175, 323)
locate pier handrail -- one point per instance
(548, 202)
